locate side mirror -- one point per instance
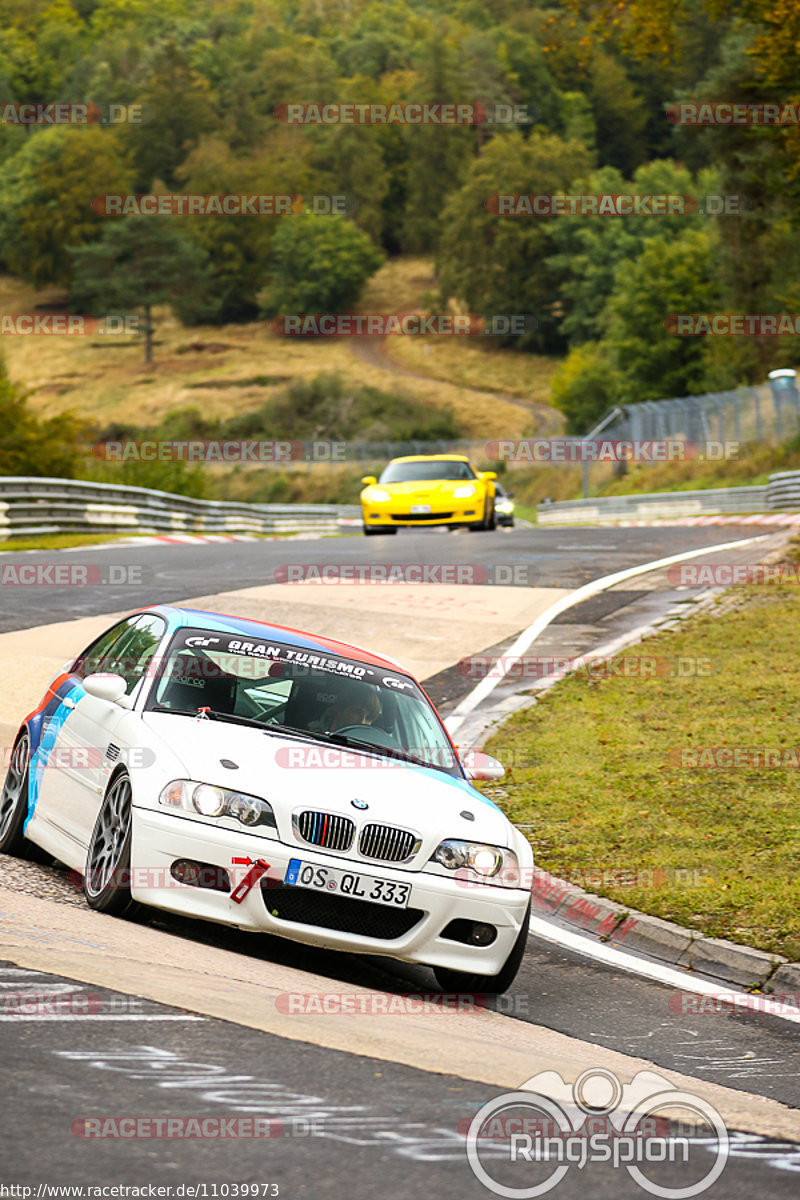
(368, 479)
(482, 766)
(489, 474)
(105, 686)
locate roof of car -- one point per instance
(432, 458)
(181, 617)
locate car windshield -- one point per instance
(411, 472)
(302, 692)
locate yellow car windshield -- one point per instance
(412, 472)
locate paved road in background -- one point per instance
(563, 558)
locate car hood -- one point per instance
(421, 799)
(427, 487)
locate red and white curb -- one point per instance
(180, 538)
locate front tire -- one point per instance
(14, 800)
(489, 985)
(106, 881)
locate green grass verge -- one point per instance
(62, 541)
(596, 789)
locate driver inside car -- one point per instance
(355, 704)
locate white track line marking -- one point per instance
(483, 689)
(660, 972)
(98, 1017)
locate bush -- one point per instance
(319, 265)
(585, 387)
(33, 447)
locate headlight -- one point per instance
(493, 864)
(377, 496)
(210, 801)
(461, 493)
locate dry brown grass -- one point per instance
(111, 382)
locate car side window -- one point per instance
(130, 655)
(89, 660)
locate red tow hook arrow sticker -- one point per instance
(258, 868)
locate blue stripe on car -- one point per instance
(41, 754)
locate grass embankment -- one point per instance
(753, 465)
(230, 370)
(597, 790)
(60, 541)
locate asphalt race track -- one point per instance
(559, 558)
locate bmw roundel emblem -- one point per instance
(360, 804)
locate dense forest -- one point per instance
(190, 96)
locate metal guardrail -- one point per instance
(31, 507)
(654, 505)
(783, 491)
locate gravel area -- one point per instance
(47, 883)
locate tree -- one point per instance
(46, 190)
(238, 246)
(499, 264)
(591, 249)
(138, 263)
(177, 109)
(32, 447)
(669, 277)
(319, 264)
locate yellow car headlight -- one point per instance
(461, 493)
(377, 496)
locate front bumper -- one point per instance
(159, 839)
(457, 512)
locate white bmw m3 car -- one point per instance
(274, 781)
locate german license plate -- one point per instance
(347, 883)
(420, 508)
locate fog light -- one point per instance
(482, 935)
(186, 871)
(200, 875)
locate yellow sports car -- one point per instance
(437, 489)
